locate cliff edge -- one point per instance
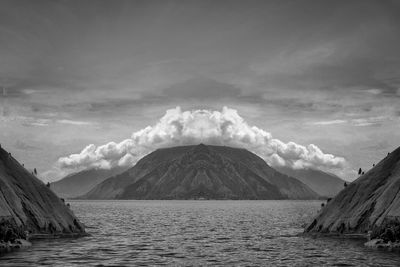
(29, 208)
(369, 205)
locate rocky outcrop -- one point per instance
(369, 205)
(323, 183)
(28, 208)
(78, 184)
(209, 172)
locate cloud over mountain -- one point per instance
(178, 127)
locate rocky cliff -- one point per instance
(210, 172)
(27, 205)
(370, 203)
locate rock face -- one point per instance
(371, 203)
(27, 205)
(78, 184)
(325, 184)
(209, 172)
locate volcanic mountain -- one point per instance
(201, 172)
(372, 202)
(27, 204)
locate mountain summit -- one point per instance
(201, 172)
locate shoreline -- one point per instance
(6, 247)
(40, 236)
(21, 243)
(373, 243)
(336, 235)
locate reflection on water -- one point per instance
(238, 233)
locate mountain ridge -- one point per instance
(79, 183)
(203, 171)
(324, 183)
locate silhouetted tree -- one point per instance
(373, 165)
(345, 184)
(322, 205)
(359, 171)
(362, 173)
(35, 171)
(329, 199)
(48, 184)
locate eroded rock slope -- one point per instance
(370, 203)
(27, 205)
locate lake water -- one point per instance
(198, 233)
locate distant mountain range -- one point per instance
(201, 172)
(323, 183)
(78, 184)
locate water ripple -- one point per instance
(197, 233)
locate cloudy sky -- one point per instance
(80, 73)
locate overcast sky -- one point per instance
(319, 72)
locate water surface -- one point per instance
(194, 233)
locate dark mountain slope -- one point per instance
(325, 184)
(213, 172)
(78, 184)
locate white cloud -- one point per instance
(30, 121)
(40, 124)
(329, 122)
(356, 122)
(74, 122)
(370, 121)
(179, 127)
(374, 91)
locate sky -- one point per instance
(322, 78)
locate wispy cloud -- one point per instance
(30, 121)
(359, 122)
(374, 91)
(42, 122)
(329, 122)
(72, 122)
(370, 121)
